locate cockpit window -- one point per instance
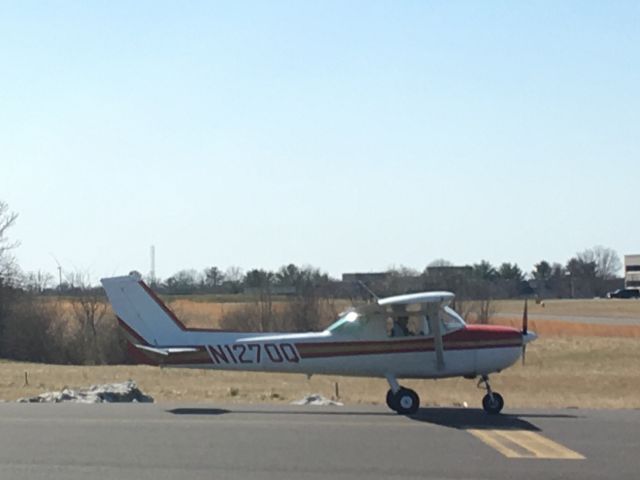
(418, 325)
(407, 326)
(397, 326)
(346, 320)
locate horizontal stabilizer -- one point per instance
(165, 352)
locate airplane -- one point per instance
(414, 336)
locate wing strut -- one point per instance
(433, 312)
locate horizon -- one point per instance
(67, 277)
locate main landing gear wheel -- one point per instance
(492, 403)
(405, 401)
(391, 400)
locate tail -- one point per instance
(140, 312)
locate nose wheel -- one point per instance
(492, 402)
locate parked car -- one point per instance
(624, 293)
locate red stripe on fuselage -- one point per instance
(470, 338)
(133, 338)
(138, 357)
(131, 331)
(485, 332)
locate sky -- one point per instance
(351, 136)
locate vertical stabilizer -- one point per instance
(141, 310)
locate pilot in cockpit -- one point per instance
(400, 327)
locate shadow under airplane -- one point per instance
(466, 418)
(458, 418)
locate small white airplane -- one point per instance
(406, 336)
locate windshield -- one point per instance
(345, 319)
(451, 320)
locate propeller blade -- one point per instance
(525, 328)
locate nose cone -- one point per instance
(528, 337)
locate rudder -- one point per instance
(139, 309)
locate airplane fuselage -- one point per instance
(473, 350)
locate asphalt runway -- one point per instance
(146, 441)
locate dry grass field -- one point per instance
(597, 307)
(199, 314)
(571, 365)
(203, 314)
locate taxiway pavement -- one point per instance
(143, 441)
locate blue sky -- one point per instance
(347, 135)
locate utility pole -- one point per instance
(152, 274)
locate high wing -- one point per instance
(429, 304)
(439, 298)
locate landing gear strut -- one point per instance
(400, 399)
(492, 402)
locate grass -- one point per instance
(586, 372)
(576, 329)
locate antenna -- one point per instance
(152, 275)
(371, 292)
(59, 270)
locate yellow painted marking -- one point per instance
(489, 437)
(524, 444)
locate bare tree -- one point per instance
(485, 310)
(8, 268)
(440, 262)
(258, 316)
(233, 278)
(37, 281)
(183, 282)
(89, 308)
(482, 293)
(305, 312)
(7, 219)
(606, 260)
(402, 271)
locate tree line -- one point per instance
(590, 273)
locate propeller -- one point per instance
(525, 330)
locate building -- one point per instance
(371, 277)
(450, 271)
(632, 271)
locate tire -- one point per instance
(493, 407)
(391, 401)
(407, 401)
